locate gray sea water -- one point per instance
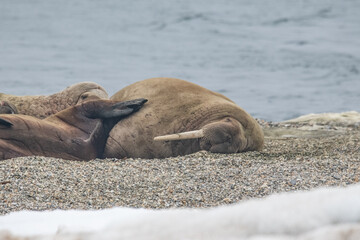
(278, 59)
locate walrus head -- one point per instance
(42, 106)
(223, 136)
(85, 91)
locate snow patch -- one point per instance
(342, 119)
(316, 214)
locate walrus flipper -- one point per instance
(122, 109)
(5, 123)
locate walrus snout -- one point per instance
(224, 136)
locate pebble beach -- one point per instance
(295, 157)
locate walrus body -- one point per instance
(178, 106)
(76, 133)
(44, 106)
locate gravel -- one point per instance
(329, 157)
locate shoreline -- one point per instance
(296, 157)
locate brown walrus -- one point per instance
(178, 106)
(76, 133)
(44, 106)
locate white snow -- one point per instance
(316, 214)
(343, 119)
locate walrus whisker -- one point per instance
(181, 136)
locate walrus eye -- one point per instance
(84, 96)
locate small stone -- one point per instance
(336, 176)
(227, 200)
(293, 182)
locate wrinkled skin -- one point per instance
(177, 106)
(44, 106)
(76, 133)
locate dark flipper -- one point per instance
(5, 123)
(121, 109)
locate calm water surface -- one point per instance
(278, 59)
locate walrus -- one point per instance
(44, 106)
(76, 133)
(211, 122)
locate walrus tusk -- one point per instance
(181, 136)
